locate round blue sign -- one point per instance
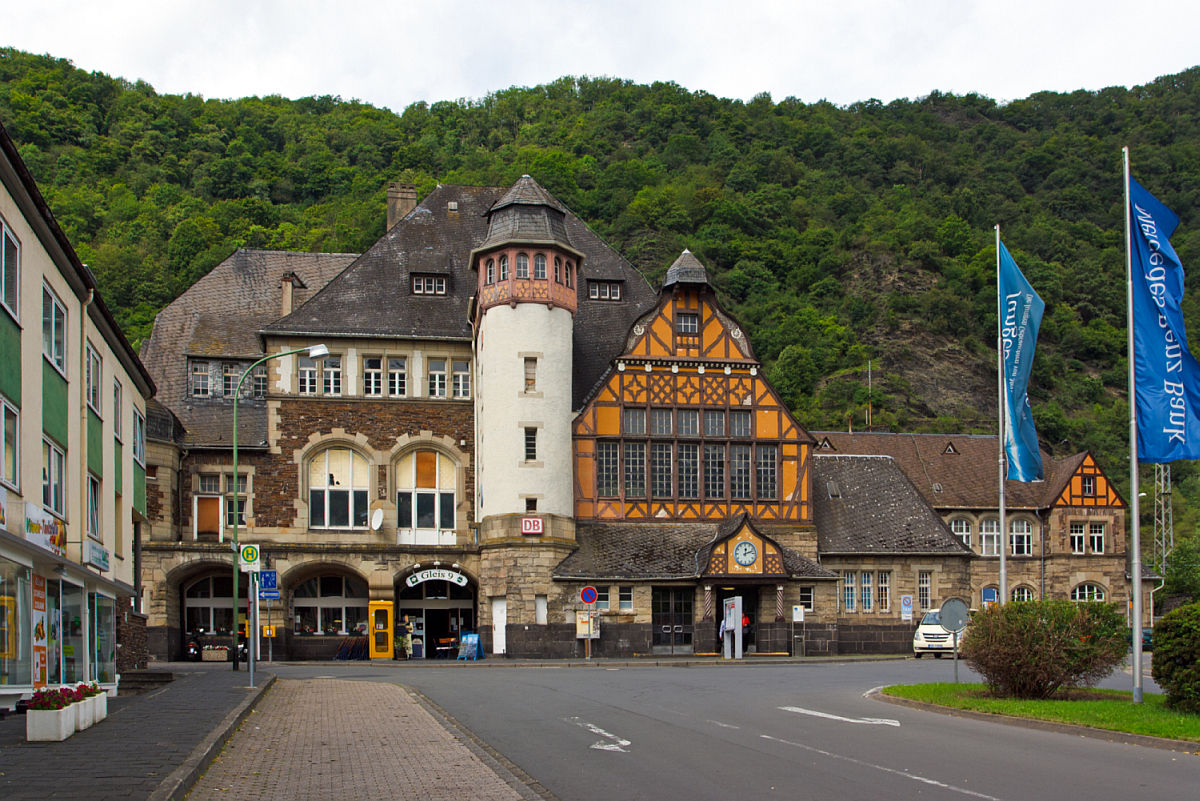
(588, 595)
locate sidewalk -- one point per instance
(128, 755)
(329, 738)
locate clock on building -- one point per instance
(744, 553)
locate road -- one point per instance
(786, 731)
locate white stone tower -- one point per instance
(528, 279)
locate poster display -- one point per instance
(39, 631)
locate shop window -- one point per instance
(397, 377)
(53, 460)
(1096, 537)
(625, 598)
(338, 489)
(1087, 592)
(331, 606)
(962, 529)
(16, 644)
(208, 604)
(426, 498)
(103, 632)
(54, 330)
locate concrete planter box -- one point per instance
(99, 706)
(85, 714)
(213, 655)
(49, 725)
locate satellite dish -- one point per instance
(376, 519)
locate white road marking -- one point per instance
(616, 744)
(874, 691)
(905, 774)
(722, 725)
(826, 715)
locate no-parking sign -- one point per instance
(906, 607)
(588, 595)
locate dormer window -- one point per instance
(428, 285)
(604, 290)
(950, 449)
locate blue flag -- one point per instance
(1166, 375)
(1020, 317)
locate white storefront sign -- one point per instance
(45, 530)
(436, 575)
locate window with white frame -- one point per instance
(687, 323)
(10, 271)
(504, 268)
(739, 472)
(766, 473)
(54, 329)
(883, 591)
(530, 374)
(208, 603)
(491, 272)
(1022, 537)
(849, 586)
(118, 411)
(1087, 592)
(259, 380)
(10, 470)
(1077, 538)
(200, 380)
(740, 424)
(426, 491)
(93, 379)
(867, 591)
(602, 599)
(93, 507)
(660, 422)
(437, 378)
(634, 421)
(625, 598)
(428, 285)
(1089, 485)
(688, 422)
(235, 499)
(539, 267)
(397, 377)
(338, 489)
(661, 485)
(688, 455)
(209, 503)
(1022, 594)
(570, 275)
(229, 379)
(522, 265)
(53, 461)
(330, 606)
(460, 382)
(308, 376)
(1096, 537)
(373, 376)
(557, 270)
(962, 529)
(139, 437)
(331, 375)
(807, 598)
(603, 290)
(925, 589)
(989, 536)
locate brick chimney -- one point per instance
(287, 284)
(401, 199)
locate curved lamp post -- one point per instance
(314, 352)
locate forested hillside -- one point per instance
(837, 235)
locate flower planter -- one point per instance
(49, 725)
(214, 655)
(99, 706)
(85, 714)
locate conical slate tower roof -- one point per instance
(527, 214)
(687, 269)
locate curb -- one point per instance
(500, 662)
(1144, 740)
(177, 784)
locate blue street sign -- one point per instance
(588, 595)
(268, 580)
(268, 595)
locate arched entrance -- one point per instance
(440, 605)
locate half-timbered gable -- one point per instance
(685, 426)
(1088, 486)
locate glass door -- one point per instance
(72, 634)
(671, 620)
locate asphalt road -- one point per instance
(786, 731)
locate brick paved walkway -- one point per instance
(125, 756)
(324, 739)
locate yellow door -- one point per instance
(381, 629)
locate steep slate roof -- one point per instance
(657, 551)
(686, 269)
(373, 298)
(219, 316)
(965, 466)
(878, 510)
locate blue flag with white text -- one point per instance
(1020, 318)
(1166, 375)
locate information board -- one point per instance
(468, 646)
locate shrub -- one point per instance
(1176, 664)
(1033, 649)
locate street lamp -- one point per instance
(314, 352)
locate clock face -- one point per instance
(744, 553)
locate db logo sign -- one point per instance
(532, 525)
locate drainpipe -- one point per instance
(1042, 588)
(83, 419)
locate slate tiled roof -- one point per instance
(686, 269)
(220, 315)
(875, 509)
(373, 297)
(964, 466)
(162, 424)
(647, 551)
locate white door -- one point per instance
(499, 622)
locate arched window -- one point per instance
(1021, 536)
(989, 535)
(490, 277)
(539, 266)
(1022, 594)
(962, 529)
(570, 278)
(330, 605)
(426, 498)
(504, 268)
(338, 480)
(1087, 592)
(208, 604)
(557, 270)
(522, 265)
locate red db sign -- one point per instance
(531, 525)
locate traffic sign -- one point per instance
(268, 580)
(248, 558)
(588, 595)
(953, 615)
(268, 595)
(906, 607)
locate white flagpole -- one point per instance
(1135, 541)
(1003, 411)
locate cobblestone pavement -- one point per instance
(323, 739)
(143, 739)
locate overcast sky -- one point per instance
(395, 53)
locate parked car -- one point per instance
(1147, 638)
(931, 638)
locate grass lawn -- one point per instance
(1100, 709)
